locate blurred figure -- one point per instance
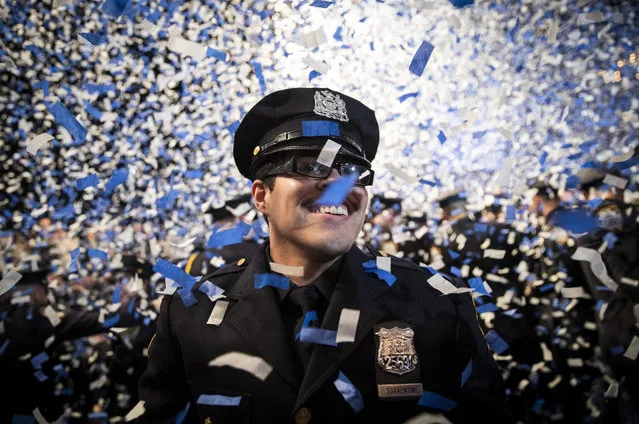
(384, 217)
(207, 260)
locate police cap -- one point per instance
(302, 119)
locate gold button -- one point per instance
(208, 420)
(256, 150)
(241, 262)
(303, 416)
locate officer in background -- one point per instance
(311, 329)
(205, 261)
(385, 216)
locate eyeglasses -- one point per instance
(309, 167)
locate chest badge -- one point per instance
(397, 371)
(396, 353)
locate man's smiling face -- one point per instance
(326, 232)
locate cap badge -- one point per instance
(330, 105)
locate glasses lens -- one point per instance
(309, 167)
(365, 174)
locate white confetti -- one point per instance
(503, 178)
(597, 265)
(613, 390)
(136, 412)
(184, 243)
(347, 326)
(169, 289)
(185, 47)
(633, 349)
(9, 280)
(384, 263)
(574, 292)
(313, 39)
(240, 209)
(218, 312)
(400, 173)
(293, 271)
(242, 361)
(51, 315)
(444, 286)
(494, 253)
(321, 67)
(615, 181)
(37, 142)
(39, 417)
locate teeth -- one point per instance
(333, 210)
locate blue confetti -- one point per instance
(320, 128)
(466, 373)
(418, 64)
(461, 3)
(455, 271)
(4, 347)
(68, 121)
(175, 273)
(512, 33)
(228, 237)
(96, 253)
(477, 284)
(260, 76)
(94, 39)
(511, 214)
(576, 221)
(179, 419)
(110, 322)
(313, 74)
(40, 376)
(322, 4)
(617, 350)
(114, 8)
(39, 359)
(442, 137)
(406, 96)
(271, 279)
(433, 400)
(23, 419)
(349, 392)
(336, 192)
(44, 85)
(610, 239)
(217, 54)
(116, 294)
(371, 268)
(308, 318)
(219, 400)
(496, 343)
(488, 307)
(98, 88)
(318, 336)
(86, 182)
(118, 177)
(211, 289)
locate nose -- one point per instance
(328, 180)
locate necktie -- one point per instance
(308, 299)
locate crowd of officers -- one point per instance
(556, 276)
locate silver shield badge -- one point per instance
(396, 352)
(330, 105)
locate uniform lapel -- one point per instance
(355, 290)
(257, 318)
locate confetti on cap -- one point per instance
(328, 153)
(212, 291)
(253, 365)
(418, 64)
(349, 392)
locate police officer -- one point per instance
(308, 331)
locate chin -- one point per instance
(331, 248)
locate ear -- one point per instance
(259, 191)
